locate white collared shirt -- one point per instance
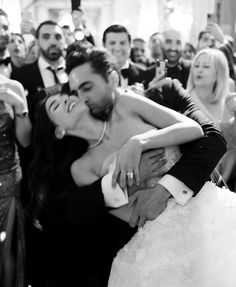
(47, 75)
(116, 197)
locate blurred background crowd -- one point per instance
(191, 41)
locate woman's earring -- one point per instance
(60, 133)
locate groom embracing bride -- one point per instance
(93, 236)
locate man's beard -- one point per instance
(103, 114)
(170, 57)
(3, 49)
(4, 40)
(51, 56)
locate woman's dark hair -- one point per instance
(49, 172)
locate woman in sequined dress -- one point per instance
(14, 126)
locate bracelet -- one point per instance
(22, 115)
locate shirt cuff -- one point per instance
(113, 197)
(177, 188)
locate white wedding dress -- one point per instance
(190, 246)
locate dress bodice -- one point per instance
(8, 151)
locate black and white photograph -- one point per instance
(117, 143)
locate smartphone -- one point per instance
(161, 67)
(211, 17)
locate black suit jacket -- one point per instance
(179, 72)
(136, 74)
(30, 77)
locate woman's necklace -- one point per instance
(101, 137)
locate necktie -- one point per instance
(5, 61)
(125, 73)
(54, 72)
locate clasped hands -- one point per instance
(148, 197)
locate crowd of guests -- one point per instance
(30, 72)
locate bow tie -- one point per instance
(5, 61)
(125, 73)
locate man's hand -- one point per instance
(148, 204)
(151, 166)
(158, 81)
(214, 29)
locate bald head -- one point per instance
(172, 46)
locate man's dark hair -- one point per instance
(77, 46)
(154, 34)
(101, 60)
(116, 28)
(48, 22)
(3, 13)
(139, 40)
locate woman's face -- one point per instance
(188, 53)
(65, 111)
(32, 54)
(204, 73)
(16, 46)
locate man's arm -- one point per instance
(198, 160)
(83, 204)
(199, 157)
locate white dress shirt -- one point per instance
(47, 75)
(116, 197)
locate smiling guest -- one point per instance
(176, 67)
(117, 39)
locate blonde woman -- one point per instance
(209, 86)
(208, 83)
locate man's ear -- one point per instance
(114, 79)
(60, 133)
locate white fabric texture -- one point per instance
(192, 245)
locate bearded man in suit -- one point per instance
(48, 72)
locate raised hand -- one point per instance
(14, 98)
(215, 30)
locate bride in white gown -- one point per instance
(194, 245)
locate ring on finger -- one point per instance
(130, 174)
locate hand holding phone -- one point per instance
(211, 18)
(161, 68)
